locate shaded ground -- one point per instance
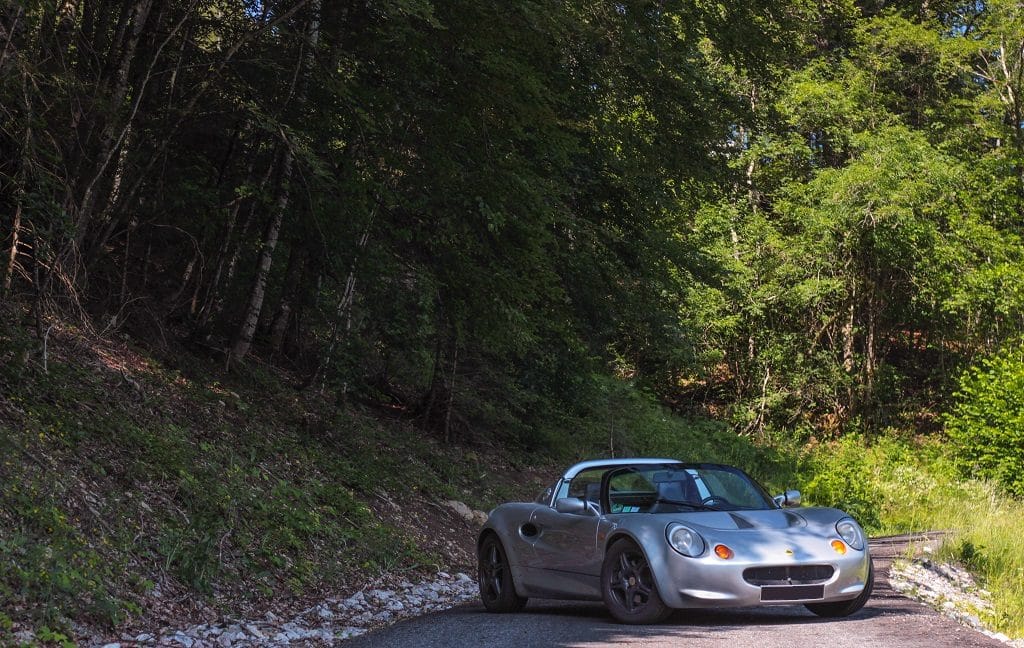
(887, 620)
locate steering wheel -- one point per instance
(715, 498)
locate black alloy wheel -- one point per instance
(497, 591)
(628, 587)
(846, 608)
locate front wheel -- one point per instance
(628, 588)
(497, 591)
(846, 608)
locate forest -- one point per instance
(799, 215)
(799, 219)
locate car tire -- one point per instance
(497, 589)
(628, 587)
(846, 608)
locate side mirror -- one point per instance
(789, 499)
(573, 505)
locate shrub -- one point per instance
(986, 423)
(842, 477)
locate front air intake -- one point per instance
(788, 575)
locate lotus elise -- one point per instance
(647, 536)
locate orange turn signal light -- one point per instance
(723, 552)
(839, 546)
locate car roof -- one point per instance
(599, 463)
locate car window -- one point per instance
(545, 495)
(579, 483)
(682, 488)
(631, 490)
(735, 488)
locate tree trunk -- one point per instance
(7, 36)
(227, 256)
(20, 178)
(296, 259)
(343, 312)
(848, 338)
(244, 337)
(870, 359)
(110, 140)
(12, 257)
(451, 392)
(435, 382)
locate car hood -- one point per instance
(740, 520)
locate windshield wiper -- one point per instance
(693, 505)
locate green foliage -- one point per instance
(16, 349)
(986, 423)
(259, 506)
(841, 477)
(915, 486)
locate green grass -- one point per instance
(912, 485)
(253, 489)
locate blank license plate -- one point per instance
(792, 592)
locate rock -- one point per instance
(948, 588)
(254, 631)
(476, 518)
(112, 645)
(349, 632)
(333, 619)
(212, 632)
(325, 634)
(380, 595)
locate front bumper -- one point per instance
(709, 581)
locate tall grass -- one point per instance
(913, 487)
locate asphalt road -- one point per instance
(887, 620)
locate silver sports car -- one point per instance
(650, 535)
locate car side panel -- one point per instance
(507, 521)
(567, 555)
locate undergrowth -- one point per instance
(896, 484)
(117, 481)
(121, 480)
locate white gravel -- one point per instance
(949, 589)
(326, 623)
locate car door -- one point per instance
(566, 559)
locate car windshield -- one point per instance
(683, 487)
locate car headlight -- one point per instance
(851, 533)
(685, 540)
